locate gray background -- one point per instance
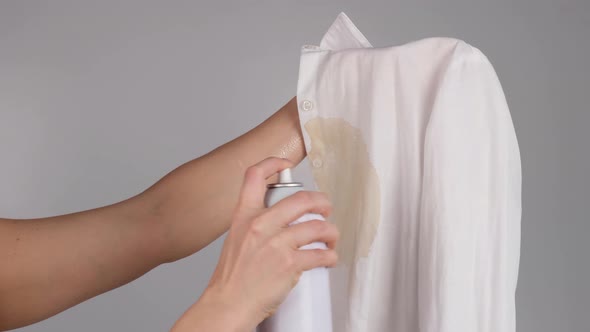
(100, 99)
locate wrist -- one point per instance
(215, 311)
(243, 314)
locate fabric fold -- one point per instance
(414, 145)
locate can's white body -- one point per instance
(307, 308)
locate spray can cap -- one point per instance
(285, 180)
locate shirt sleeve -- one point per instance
(470, 207)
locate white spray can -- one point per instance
(307, 308)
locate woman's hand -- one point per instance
(260, 261)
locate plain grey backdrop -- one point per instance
(99, 99)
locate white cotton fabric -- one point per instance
(440, 137)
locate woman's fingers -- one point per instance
(254, 185)
(307, 232)
(310, 259)
(291, 208)
(260, 253)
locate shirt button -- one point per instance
(306, 105)
(317, 163)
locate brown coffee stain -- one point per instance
(342, 169)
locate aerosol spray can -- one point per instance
(307, 308)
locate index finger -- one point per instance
(254, 185)
(291, 208)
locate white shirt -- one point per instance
(416, 148)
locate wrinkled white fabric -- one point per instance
(432, 122)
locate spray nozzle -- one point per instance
(285, 180)
(285, 176)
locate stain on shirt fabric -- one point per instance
(342, 169)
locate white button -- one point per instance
(306, 105)
(317, 163)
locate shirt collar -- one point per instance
(343, 34)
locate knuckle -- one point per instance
(304, 198)
(316, 255)
(327, 204)
(256, 227)
(253, 172)
(275, 243)
(288, 261)
(336, 232)
(321, 227)
(330, 227)
(328, 209)
(331, 257)
(314, 200)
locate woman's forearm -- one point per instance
(48, 265)
(194, 202)
(211, 313)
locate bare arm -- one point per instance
(48, 265)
